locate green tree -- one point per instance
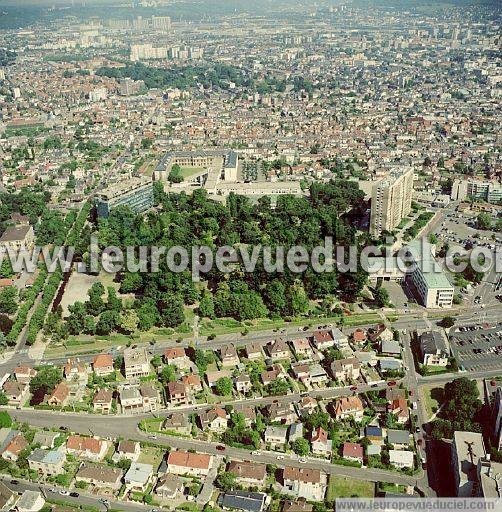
(3, 398)
(167, 374)
(224, 386)
(206, 305)
(381, 297)
(226, 481)
(107, 322)
(47, 378)
(484, 221)
(132, 282)
(128, 321)
(5, 420)
(447, 322)
(301, 446)
(172, 311)
(8, 300)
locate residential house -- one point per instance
(278, 350)
(102, 365)
(213, 377)
(349, 407)
(177, 393)
(304, 483)
(359, 336)
(24, 374)
(214, 419)
(151, 397)
(297, 506)
(390, 348)
(353, 451)
(401, 459)
(192, 382)
(136, 363)
(323, 339)
(380, 333)
(75, 372)
(194, 464)
(248, 412)
(47, 462)
(89, 448)
(248, 473)
(320, 443)
(276, 437)
(60, 396)
(45, 439)
(318, 375)
(245, 501)
(281, 412)
(394, 393)
(243, 383)
(307, 405)
(7, 497)
(433, 351)
(253, 351)
(295, 432)
(389, 364)
(330, 338)
(177, 422)
(345, 370)
(177, 356)
(102, 401)
(399, 439)
(138, 476)
(228, 356)
(302, 348)
(169, 487)
(130, 450)
(400, 409)
(272, 374)
(374, 434)
(17, 393)
(18, 238)
(30, 501)
(301, 372)
(99, 475)
(15, 446)
(130, 399)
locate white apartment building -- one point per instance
(391, 201)
(430, 282)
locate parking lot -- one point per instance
(478, 347)
(458, 229)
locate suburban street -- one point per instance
(83, 498)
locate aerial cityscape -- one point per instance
(250, 255)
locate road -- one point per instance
(412, 321)
(127, 428)
(83, 498)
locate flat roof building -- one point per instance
(391, 201)
(137, 193)
(433, 288)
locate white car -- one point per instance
(255, 452)
(64, 492)
(153, 436)
(302, 460)
(280, 457)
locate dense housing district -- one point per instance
(156, 123)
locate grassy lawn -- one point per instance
(186, 172)
(151, 455)
(431, 395)
(339, 487)
(81, 344)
